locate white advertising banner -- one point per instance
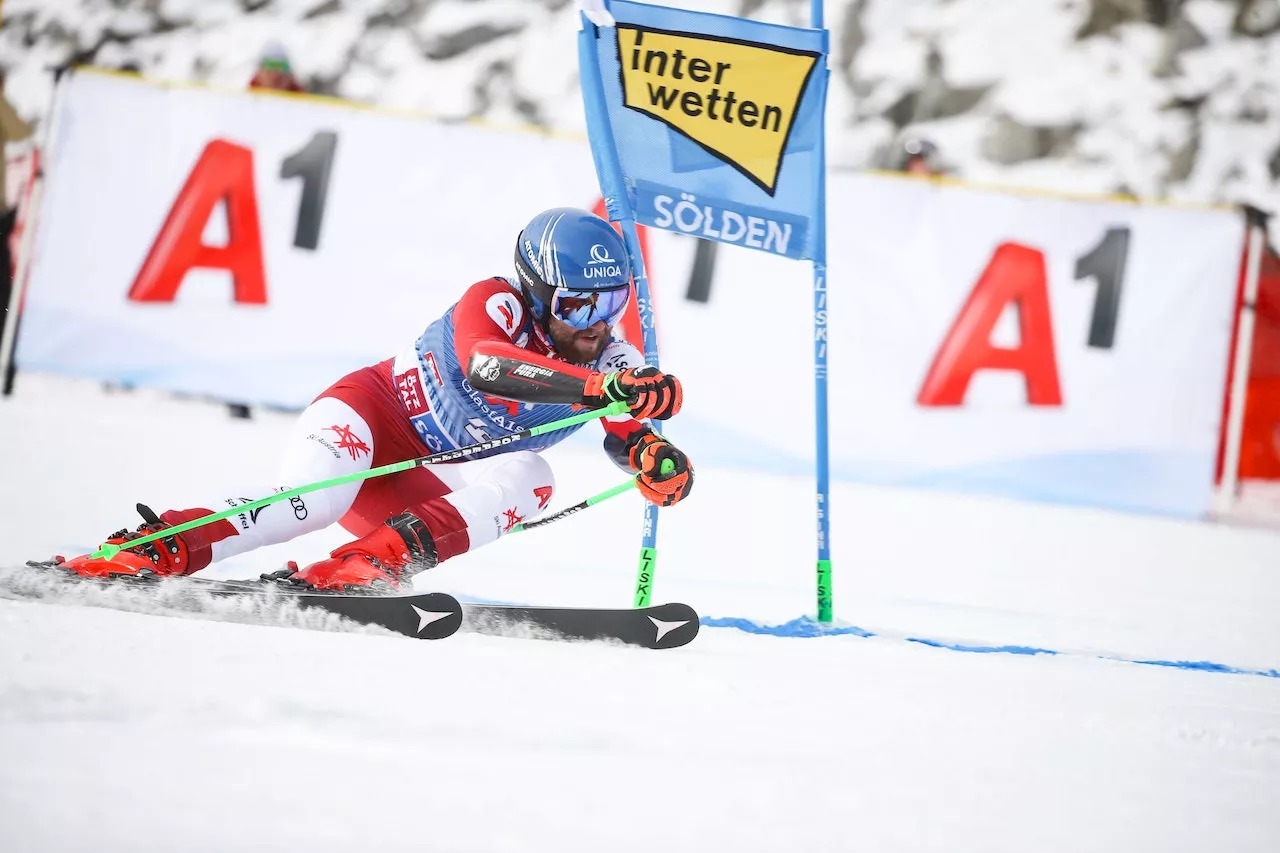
(254, 248)
(982, 341)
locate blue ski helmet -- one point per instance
(573, 265)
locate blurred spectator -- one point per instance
(918, 156)
(12, 129)
(274, 71)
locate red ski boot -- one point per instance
(378, 561)
(166, 556)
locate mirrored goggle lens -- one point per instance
(583, 309)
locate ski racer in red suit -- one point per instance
(573, 285)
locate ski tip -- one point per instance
(675, 625)
(663, 626)
(440, 617)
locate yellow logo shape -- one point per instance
(736, 99)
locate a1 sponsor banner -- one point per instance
(255, 247)
(982, 341)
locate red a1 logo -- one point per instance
(1016, 275)
(224, 173)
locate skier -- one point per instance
(573, 284)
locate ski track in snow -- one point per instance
(134, 731)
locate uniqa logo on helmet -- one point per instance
(601, 265)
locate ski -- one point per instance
(663, 626)
(424, 616)
(427, 615)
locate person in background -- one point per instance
(12, 129)
(919, 156)
(274, 71)
(275, 74)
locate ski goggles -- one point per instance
(582, 309)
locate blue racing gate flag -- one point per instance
(712, 126)
(706, 124)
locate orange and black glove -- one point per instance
(647, 390)
(664, 474)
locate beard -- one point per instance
(579, 346)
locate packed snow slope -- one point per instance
(126, 731)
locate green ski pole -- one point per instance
(107, 550)
(578, 507)
(648, 557)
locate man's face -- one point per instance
(580, 346)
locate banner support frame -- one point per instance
(43, 154)
(1240, 360)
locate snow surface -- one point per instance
(126, 731)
